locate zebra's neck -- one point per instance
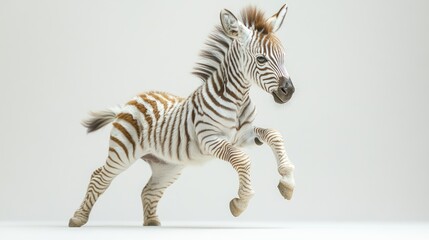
(228, 80)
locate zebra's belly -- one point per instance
(188, 154)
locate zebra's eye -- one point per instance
(261, 59)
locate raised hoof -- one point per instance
(77, 222)
(237, 206)
(285, 189)
(152, 222)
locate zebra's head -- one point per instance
(261, 54)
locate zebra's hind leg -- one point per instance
(163, 175)
(119, 159)
(98, 183)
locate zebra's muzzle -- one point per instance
(285, 91)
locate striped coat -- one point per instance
(215, 121)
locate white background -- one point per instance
(356, 128)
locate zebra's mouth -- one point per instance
(281, 98)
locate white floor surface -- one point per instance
(216, 230)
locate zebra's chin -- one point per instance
(281, 98)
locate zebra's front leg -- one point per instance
(240, 161)
(275, 140)
(163, 175)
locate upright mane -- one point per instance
(218, 42)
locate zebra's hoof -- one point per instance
(237, 206)
(286, 190)
(77, 222)
(152, 222)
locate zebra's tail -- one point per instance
(100, 119)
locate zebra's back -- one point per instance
(158, 123)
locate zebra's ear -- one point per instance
(277, 19)
(232, 26)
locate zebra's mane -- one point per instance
(218, 42)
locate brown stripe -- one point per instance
(172, 97)
(120, 144)
(126, 134)
(195, 100)
(167, 96)
(217, 103)
(221, 91)
(152, 104)
(186, 133)
(162, 101)
(160, 134)
(143, 110)
(243, 111)
(115, 152)
(131, 120)
(170, 140)
(231, 94)
(166, 131)
(178, 133)
(214, 111)
(233, 84)
(110, 166)
(193, 116)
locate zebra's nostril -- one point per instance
(283, 90)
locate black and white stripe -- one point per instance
(215, 121)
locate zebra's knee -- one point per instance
(286, 169)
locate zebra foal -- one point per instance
(215, 121)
